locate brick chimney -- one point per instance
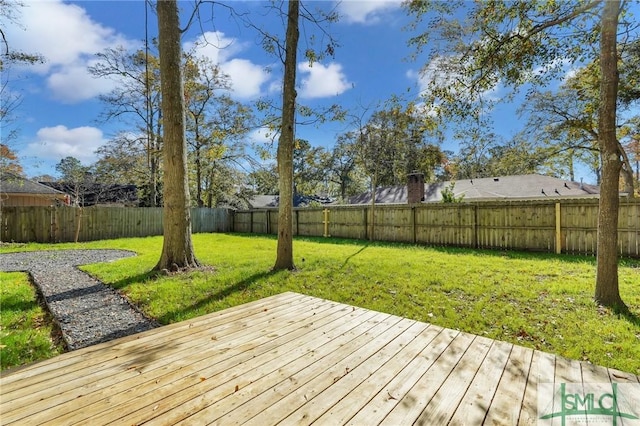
(415, 188)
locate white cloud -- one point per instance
(262, 135)
(571, 73)
(73, 83)
(366, 11)
(214, 45)
(246, 77)
(555, 64)
(444, 72)
(441, 71)
(56, 143)
(68, 38)
(322, 81)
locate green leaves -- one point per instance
(498, 43)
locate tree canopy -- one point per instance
(519, 43)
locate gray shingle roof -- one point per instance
(503, 187)
(14, 184)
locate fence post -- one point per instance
(558, 230)
(268, 220)
(364, 221)
(325, 222)
(475, 226)
(413, 223)
(54, 225)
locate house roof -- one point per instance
(502, 187)
(271, 201)
(14, 184)
(98, 193)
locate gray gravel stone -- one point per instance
(87, 311)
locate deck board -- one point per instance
(293, 359)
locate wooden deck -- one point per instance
(294, 359)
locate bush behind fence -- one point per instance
(560, 226)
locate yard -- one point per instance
(540, 301)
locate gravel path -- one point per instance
(87, 311)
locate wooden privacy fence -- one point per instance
(61, 224)
(560, 226)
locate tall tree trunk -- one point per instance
(177, 249)
(607, 292)
(157, 148)
(284, 257)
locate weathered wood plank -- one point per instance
(176, 374)
(146, 358)
(447, 399)
(475, 404)
(273, 372)
(93, 357)
(362, 395)
(293, 359)
(389, 396)
(506, 403)
(355, 375)
(542, 370)
(413, 402)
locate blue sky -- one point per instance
(59, 112)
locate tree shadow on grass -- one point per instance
(125, 282)
(495, 252)
(353, 255)
(242, 285)
(627, 314)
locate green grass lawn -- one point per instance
(540, 301)
(26, 332)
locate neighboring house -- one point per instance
(100, 194)
(18, 191)
(271, 201)
(496, 188)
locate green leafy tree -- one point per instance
(519, 42)
(394, 144)
(309, 168)
(484, 154)
(565, 122)
(216, 124)
(343, 170)
(135, 101)
(124, 160)
(76, 177)
(79, 181)
(280, 119)
(264, 180)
